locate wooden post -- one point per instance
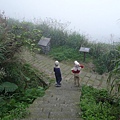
(84, 56)
(84, 50)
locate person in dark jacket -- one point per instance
(57, 72)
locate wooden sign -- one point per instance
(84, 50)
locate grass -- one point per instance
(64, 53)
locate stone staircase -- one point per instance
(59, 103)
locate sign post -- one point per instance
(84, 50)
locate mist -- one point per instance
(98, 20)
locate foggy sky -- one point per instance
(97, 19)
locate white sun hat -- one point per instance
(56, 63)
(76, 63)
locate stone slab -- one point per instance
(88, 75)
(99, 77)
(96, 83)
(85, 79)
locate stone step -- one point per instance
(60, 103)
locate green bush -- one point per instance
(104, 61)
(14, 106)
(66, 53)
(114, 77)
(15, 100)
(97, 105)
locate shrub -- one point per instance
(14, 106)
(96, 105)
(66, 53)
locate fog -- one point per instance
(98, 20)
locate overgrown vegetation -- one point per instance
(20, 84)
(98, 105)
(103, 104)
(19, 87)
(65, 53)
(114, 77)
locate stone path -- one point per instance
(60, 103)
